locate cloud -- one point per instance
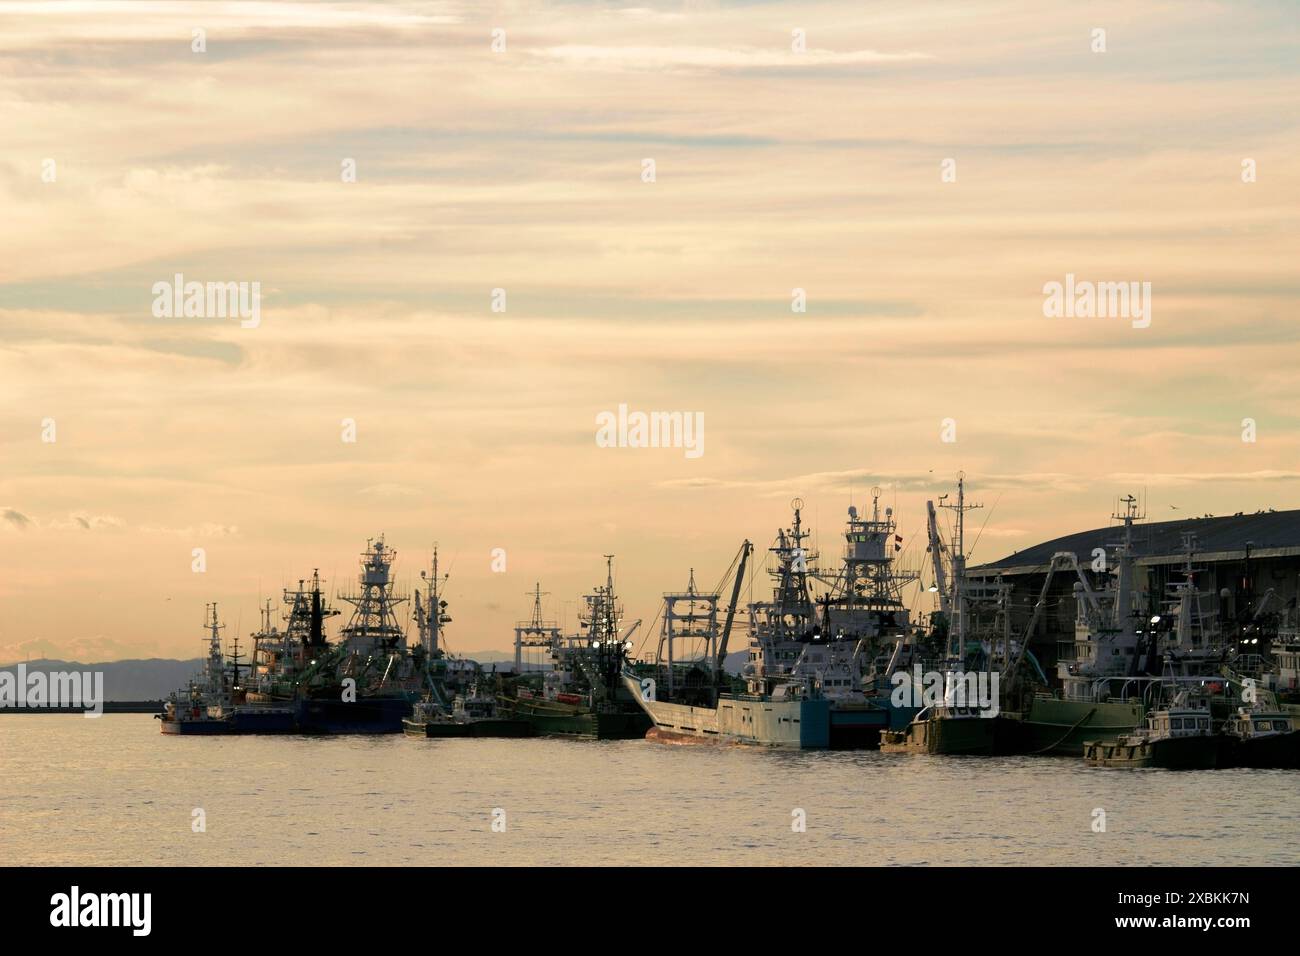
(91, 649)
(31, 24)
(76, 521)
(774, 170)
(81, 521)
(1205, 477)
(16, 519)
(206, 530)
(864, 478)
(717, 58)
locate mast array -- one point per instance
(959, 609)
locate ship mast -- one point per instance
(535, 632)
(868, 578)
(432, 615)
(373, 627)
(792, 600)
(606, 616)
(959, 565)
(216, 660)
(1184, 602)
(1123, 610)
(604, 621)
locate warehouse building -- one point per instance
(1248, 573)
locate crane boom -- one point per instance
(936, 557)
(1061, 557)
(745, 549)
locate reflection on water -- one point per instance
(114, 791)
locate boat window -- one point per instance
(1261, 725)
(1204, 723)
(1176, 723)
(1281, 725)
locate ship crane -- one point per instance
(1059, 559)
(743, 556)
(936, 549)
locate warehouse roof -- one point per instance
(1267, 533)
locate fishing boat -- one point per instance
(368, 682)
(1177, 737)
(581, 694)
(1283, 676)
(1105, 689)
(473, 714)
(201, 708)
(281, 656)
(214, 702)
(866, 630)
(963, 721)
(1261, 737)
(945, 729)
(781, 698)
(254, 716)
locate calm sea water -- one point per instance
(115, 791)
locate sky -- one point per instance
(921, 171)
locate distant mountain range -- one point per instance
(156, 677)
(151, 679)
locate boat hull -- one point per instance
(366, 715)
(1170, 753)
(953, 736)
(555, 719)
(1052, 726)
(488, 727)
(259, 720)
(194, 727)
(797, 724)
(240, 720)
(1276, 751)
(858, 727)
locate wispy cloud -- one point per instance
(521, 170)
(82, 521)
(718, 58)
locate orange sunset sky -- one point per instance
(521, 169)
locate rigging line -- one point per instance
(650, 630)
(987, 517)
(728, 573)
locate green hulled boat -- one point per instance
(1052, 725)
(954, 731)
(582, 695)
(576, 718)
